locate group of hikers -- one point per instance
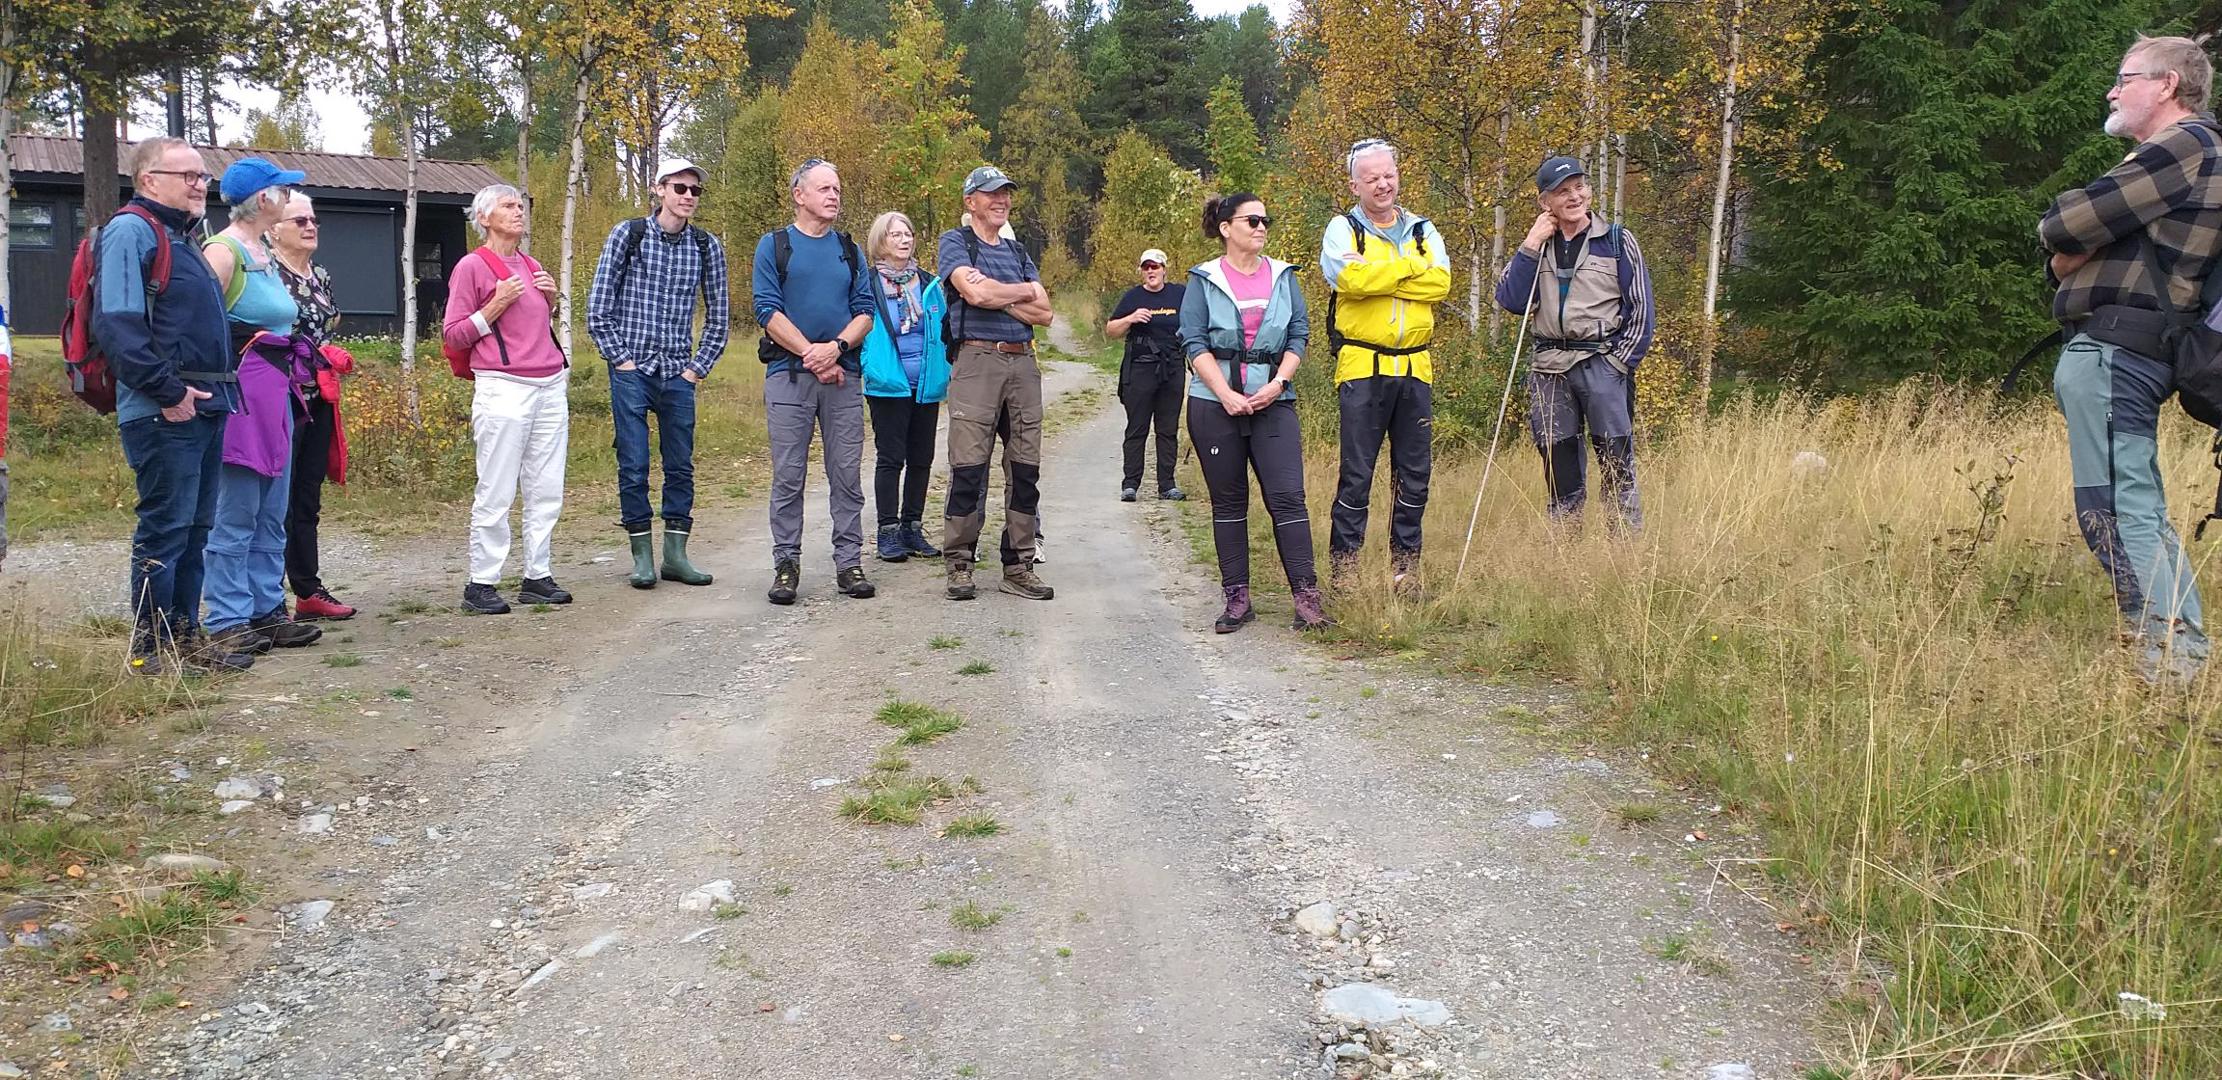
(229, 386)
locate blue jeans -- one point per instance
(176, 466)
(634, 395)
(246, 549)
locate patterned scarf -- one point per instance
(913, 305)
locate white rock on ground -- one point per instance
(239, 787)
(708, 896)
(1731, 1071)
(316, 823)
(1318, 920)
(182, 864)
(593, 891)
(1368, 1005)
(313, 914)
(235, 806)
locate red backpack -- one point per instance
(459, 360)
(90, 376)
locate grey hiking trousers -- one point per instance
(796, 404)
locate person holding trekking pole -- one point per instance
(1593, 320)
(2129, 251)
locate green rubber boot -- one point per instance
(676, 566)
(644, 560)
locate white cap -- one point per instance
(670, 167)
(1153, 255)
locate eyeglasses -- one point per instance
(2122, 79)
(192, 177)
(686, 189)
(1258, 221)
(302, 222)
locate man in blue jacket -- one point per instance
(176, 384)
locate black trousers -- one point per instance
(312, 455)
(1401, 408)
(903, 444)
(1152, 392)
(1230, 448)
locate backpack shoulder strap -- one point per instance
(783, 251)
(851, 256)
(701, 254)
(158, 276)
(1357, 234)
(237, 287)
(1419, 234)
(632, 230)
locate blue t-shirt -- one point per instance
(1005, 262)
(910, 351)
(816, 296)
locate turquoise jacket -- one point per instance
(1209, 322)
(883, 370)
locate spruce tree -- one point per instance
(1145, 68)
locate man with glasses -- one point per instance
(2130, 252)
(1386, 269)
(1152, 379)
(811, 291)
(996, 300)
(176, 385)
(640, 312)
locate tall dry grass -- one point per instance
(1905, 671)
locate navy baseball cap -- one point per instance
(1557, 171)
(987, 178)
(249, 175)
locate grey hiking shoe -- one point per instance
(960, 579)
(1021, 580)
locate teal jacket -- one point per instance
(1209, 322)
(883, 370)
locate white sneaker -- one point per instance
(1038, 559)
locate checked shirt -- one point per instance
(650, 322)
(2168, 189)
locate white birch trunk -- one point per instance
(1710, 342)
(571, 184)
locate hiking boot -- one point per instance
(483, 600)
(1342, 570)
(243, 638)
(852, 584)
(785, 576)
(1127, 494)
(321, 605)
(1020, 580)
(543, 590)
(1238, 610)
(960, 579)
(1404, 573)
(892, 548)
(914, 541)
(1311, 613)
(676, 566)
(283, 632)
(643, 544)
(1172, 494)
(204, 655)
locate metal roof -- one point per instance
(361, 172)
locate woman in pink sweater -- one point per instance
(520, 412)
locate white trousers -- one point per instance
(523, 432)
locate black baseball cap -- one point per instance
(1557, 171)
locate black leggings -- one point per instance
(1229, 448)
(903, 438)
(312, 457)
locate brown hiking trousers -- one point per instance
(987, 386)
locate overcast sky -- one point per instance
(345, 127)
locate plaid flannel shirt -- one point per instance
(650, 322)
(2168, 189)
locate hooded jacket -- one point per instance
(1210, 322)
(1386, 294)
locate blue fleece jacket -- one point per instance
(151, 337)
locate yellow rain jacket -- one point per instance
(1382, 314)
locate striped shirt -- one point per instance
(649, 322)
(2168, 190)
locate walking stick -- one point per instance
(1489, 463)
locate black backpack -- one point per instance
(783, 251)
(2193, 348)
(636, 230)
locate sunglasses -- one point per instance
(1153, 266)
(687, 189)
(303, 222)
(1257, 221)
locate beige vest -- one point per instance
(1588, 308)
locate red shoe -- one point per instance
(321, 605)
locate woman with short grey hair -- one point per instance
(499, 308)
